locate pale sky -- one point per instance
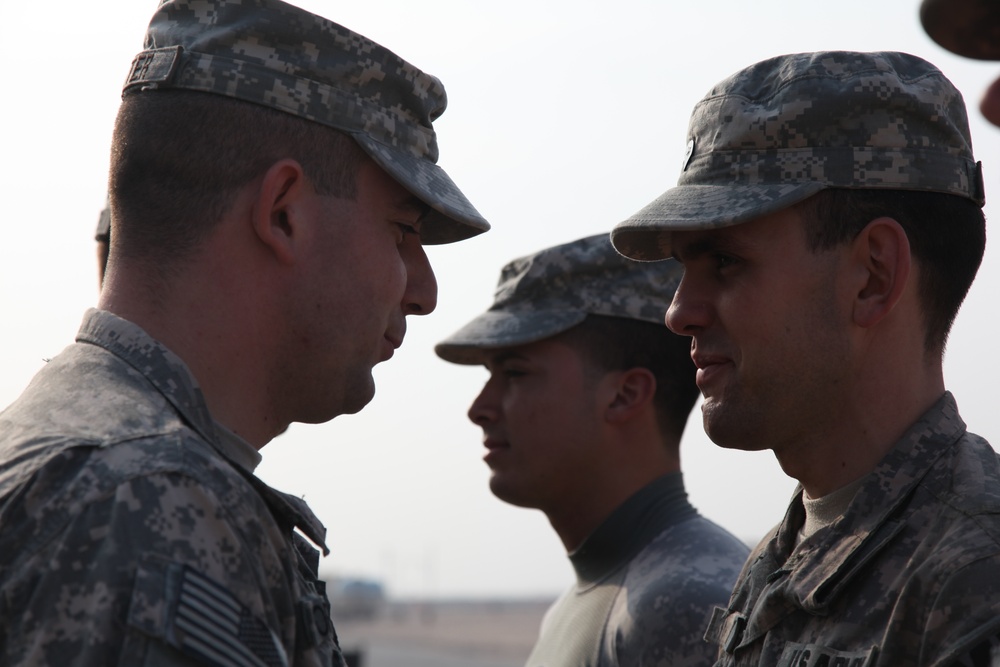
(564, 118)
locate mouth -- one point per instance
(494, 448)
(393, 343)
(710, 369)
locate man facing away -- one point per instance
(829, 222)
(582, 418)
(273, 178)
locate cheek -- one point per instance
(385, 264)
(527, 412)
(523, 412)
(379, 276)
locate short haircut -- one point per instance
(947, 236)
(619, 344)
(179, 158)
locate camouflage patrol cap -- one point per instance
(780, 131)
(270, 53)
(969, 28)
(542, 295)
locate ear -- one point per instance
(633, 392)
(278, 205)
(882, 253)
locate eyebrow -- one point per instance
(502, 357)
(697, 248)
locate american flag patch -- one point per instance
(211, 624)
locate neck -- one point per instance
(205, 319)
(871, 417)
(634, 462)
(634, 524)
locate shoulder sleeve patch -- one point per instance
(196, 615)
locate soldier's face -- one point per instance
(365, 270)
(769, 332)
(540, 415)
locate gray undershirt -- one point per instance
(823, 511)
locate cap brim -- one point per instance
(646, 236)
(495, 329)
(969, 28)
(453, 217)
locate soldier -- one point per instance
(828, 217)
(273, 178)
(582, 418)
(969, 28)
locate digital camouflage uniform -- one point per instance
(910, 573)
(649, 576)
(132, 529)
(646, 581)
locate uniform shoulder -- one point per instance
(693, 564)
(696, 546)
(962, 492)
(91, 523)
(65, 487)
(670, 590)
(89, 404)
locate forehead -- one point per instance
(379, 183)
(553, 348)
(782, 229)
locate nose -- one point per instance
(689, 312)
(420, 297)
(484, 410)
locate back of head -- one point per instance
(946, 233)
(619, 344)
(179, 158)
(225, 87)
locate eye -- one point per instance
(510, 370)
(724, 261)
(407, 229)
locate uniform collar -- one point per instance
(869, 523)
(172, 378)
(811, 576)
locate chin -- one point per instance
(509, 493)
(355, 398)
(349, 405)
(735, 438)
(732, 432)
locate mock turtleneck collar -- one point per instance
(661, 503)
